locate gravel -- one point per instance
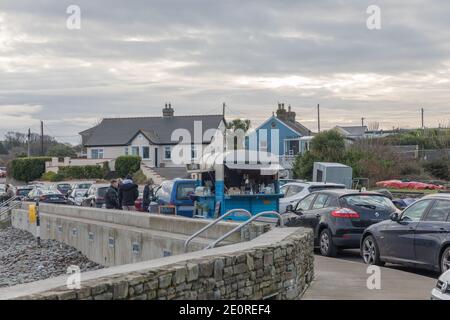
(22, 261)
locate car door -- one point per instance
(292, 194)
(397, 238)
(313, 216)
(431, 232)
(300, 216)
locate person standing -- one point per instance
(112, 196)
(147, 195)
(9, 192)
(128, 193)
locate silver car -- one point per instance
(442, 289)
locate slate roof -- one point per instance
(297, 126)
(121, 131)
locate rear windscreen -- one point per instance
(102, 191)
(23, 192)
(374, 202)
(184, 190)
(320, 188)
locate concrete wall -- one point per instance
(276, 265)
(114, 237)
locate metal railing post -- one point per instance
(239, 227)
(188, 240)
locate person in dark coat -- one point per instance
(112, 196)
(147, 195)
(128, 193)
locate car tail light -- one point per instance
(345, 213)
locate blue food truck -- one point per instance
(238, 179)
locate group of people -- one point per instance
(122, 194)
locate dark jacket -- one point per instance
(147, 196)
(128, 193)
(112, 198)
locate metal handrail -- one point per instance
(239, 227)
(186, 243)
(8, 201)
(9, 205)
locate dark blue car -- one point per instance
(418, 237)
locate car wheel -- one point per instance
(370, 252)
(445, 260)
(327, 248)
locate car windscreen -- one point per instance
(184, 190)
(84, 185)
(23, 192)
(50, 192)
(374, 202)
(102, 191)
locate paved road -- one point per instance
(346, 277)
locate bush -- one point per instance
(127, 165)
(438, 169)
(28, 169)
(81, 172)
(139, 177)
(52, 176)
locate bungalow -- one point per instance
(147, 137)
(281, 135)
(352, 132)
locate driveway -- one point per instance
(346, 279)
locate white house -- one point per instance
(148, 137)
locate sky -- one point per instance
(129, 58)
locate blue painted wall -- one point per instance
(284, 132)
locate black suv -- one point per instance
(339, 217)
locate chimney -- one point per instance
(168, 111)
(290, 115)
(281, 112)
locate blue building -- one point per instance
(281, 135)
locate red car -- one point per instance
(2, 173)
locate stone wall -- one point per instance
(116, 237)
(276, 265)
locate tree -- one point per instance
(243, 124)
(3, 149)
(327, 146)
(61, 150)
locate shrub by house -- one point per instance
(127, 165)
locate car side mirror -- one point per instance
(289, 208)
(395, 217)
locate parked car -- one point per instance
(63, 187)
(418, 237)
(442, 289)
(339, 217)
(3, 173)
(296, 191)
(23, 191)
(96, 196)
(46, 196)
(77, 196)
(176, 193)
(138, 202)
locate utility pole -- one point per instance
(29, 138)
(42, 138)
(223, 109)
(318, 117)
(423, 121)
(362, 121)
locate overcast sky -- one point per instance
(130, 57)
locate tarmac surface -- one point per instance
(346, 277)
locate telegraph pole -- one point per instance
(362, 121)
(423, 121)
(29, 138)
(42, 138)
(318, 117)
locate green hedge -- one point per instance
(127, 165)
(82, 172)
(28, 169)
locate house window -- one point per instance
(145, 152)
(134, 151)
(97, 153)
(167, 153)
(126, 151)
